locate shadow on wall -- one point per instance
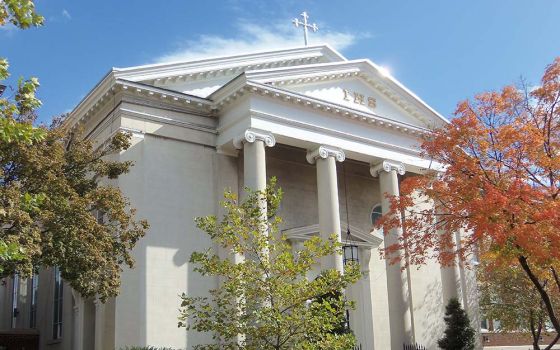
(432, 327)
(469, 284)
(169, 185)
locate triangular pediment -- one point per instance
(359, 85)
(353, 92)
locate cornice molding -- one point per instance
(324, 152)
(387, 166)
(271, 70)
(110, 87)
(251, 135)
(237, 88)
(368, 71)
(231, 71)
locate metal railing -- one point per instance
(413, 347)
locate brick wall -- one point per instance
(503, 339)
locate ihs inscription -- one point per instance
(359, 98)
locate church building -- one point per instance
(338, 135)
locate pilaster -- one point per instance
(99, 324)
(78, 321)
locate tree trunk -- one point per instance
(536, 333)
(545, 299)
(554, 341)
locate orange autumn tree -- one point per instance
(500, 187)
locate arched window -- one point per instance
(376, 214)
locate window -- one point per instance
(33, 308)
(100, 216)
(376, 214)
(57, 302)
(15, 294)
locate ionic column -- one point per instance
(400, 317)
(325, 158)
(253, 142)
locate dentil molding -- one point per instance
(252, 135)
(387, 166)
(324, 152)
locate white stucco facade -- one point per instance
(307, 116)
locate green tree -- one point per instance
(459, 334)
(16, 113)
(57, 210)
(21, 14)
(508, 295)
(266, 296)
(51, 194)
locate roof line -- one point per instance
(217, 59)
(410, 92)
(107, 76)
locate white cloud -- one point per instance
(254, 38)
(66, 14)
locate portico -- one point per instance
(325, 158)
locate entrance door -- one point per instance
(19, 341)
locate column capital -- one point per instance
(324, 152)
(387, 166)
(251, 135)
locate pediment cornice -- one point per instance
(365, 70)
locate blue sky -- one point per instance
(444, 51)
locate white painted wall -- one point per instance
(172, 182)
